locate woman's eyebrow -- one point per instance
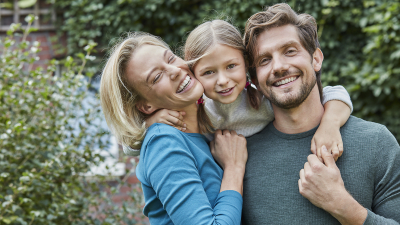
(154, 68)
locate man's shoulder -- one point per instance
(365, 130)
(363, 126)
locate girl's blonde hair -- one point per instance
(207, 35)
(119, 98)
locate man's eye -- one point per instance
(208, 72)
(291, 52)
(264, 61)
(230, 66)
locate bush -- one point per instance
(47, 142)
(360, 39)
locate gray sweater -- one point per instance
(370, 168)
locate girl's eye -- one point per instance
(158, 76)
(230, 66)
(208, 72)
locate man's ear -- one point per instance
(318, 57)
(145, 107)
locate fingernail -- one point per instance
(184, 128)
(324, 148)
(184, 125)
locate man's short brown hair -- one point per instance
(276, 16)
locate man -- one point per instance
(283, 184)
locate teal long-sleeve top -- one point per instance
(181, 181)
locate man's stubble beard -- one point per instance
(291, 101)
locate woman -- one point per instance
(181, 181)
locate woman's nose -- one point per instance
(174, 72)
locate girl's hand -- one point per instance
(230, 150)
(327, 134)
(169, 117)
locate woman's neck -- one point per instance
(190, 119)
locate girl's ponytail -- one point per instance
(254, 97)
(205, 125)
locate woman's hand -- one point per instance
(230, 151)
(169, 117)
(327, 134)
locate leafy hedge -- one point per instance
(360, 38)
(48, 139)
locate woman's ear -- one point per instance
(318, 57)
(145, 107)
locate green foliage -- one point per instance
(360, 39)
(47, 143)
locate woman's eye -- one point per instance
(158, 76)
(171, 58)
(208, 72)
(230, 66)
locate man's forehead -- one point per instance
(277, 37)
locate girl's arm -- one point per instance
(338, 108)
(169, 117)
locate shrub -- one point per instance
(48, 139)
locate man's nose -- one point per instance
(222, 79)
(279, 65)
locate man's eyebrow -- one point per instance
(154, 68)
(287, 44)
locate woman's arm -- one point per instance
(172, 171)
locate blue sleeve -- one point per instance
(171, 171)
(337, 93)
(386, 202)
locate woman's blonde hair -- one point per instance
(207, 35)
(118, 98)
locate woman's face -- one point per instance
(222, 73)
(162, 79)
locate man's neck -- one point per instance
(302, 118)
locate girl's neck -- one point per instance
(190, 119)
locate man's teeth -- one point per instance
(285, 81)
(184, 84)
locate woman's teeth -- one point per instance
(285, 81)
(184, 84)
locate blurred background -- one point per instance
(58, 162)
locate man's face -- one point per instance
(285, 70)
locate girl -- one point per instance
(216, 55)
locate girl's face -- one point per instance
(222, 73)
(162, 78)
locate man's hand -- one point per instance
(323, 186)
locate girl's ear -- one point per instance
(145, 107)
(318, 57)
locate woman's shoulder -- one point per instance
(160, 132)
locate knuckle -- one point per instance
(308, 175)
(316, 167)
